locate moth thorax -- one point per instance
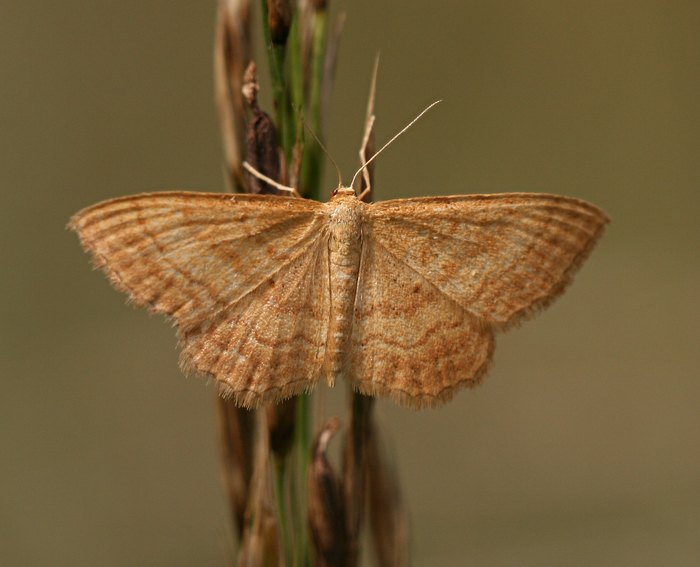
(345, 224)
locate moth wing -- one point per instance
(410, 341)
(270, 343)
(501, 257)
(210, 261)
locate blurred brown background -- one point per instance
(582, 447)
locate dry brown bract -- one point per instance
(400, 297)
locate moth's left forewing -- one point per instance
(499, 256)
(244, 277)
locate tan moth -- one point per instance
(401, 298)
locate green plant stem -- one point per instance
(311, 163)
(302, 434)
(282, 513)
(296, 71)
(276, 55)
(290, 99)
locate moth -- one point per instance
(402, 298)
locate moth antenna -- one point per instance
(328, 154)
(411, 123)
(255, 173)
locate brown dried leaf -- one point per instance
(325, 504)
(262, 152)
(231, 55)
(236, 429)
(355, 471)
(281, 421)
(259, 547)
(262, 145)
(367, 148)
(387, 516)
(279, 19)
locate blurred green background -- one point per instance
(583, 445)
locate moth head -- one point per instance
(342, 192)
